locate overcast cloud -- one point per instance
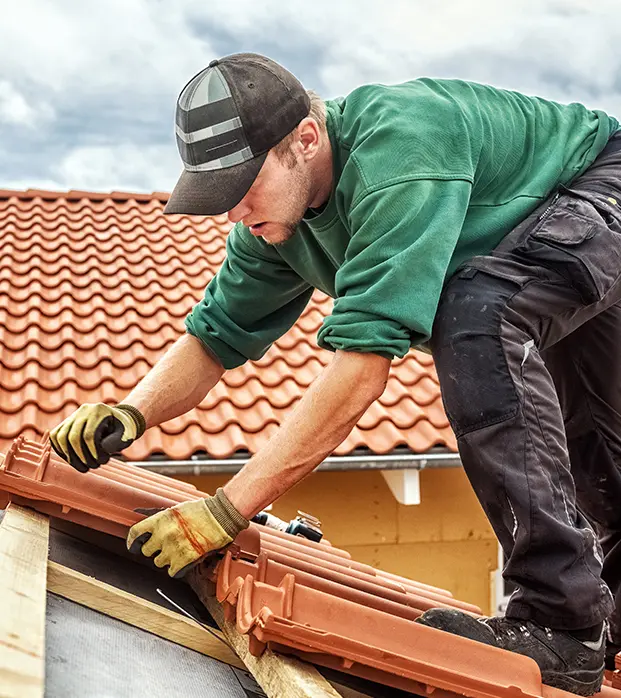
(88, 89)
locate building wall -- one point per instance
(445, 540)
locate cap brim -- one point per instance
(215, 191)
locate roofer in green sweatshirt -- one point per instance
(479, 222)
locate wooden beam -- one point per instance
(138, 612)
(280, 676)
(24, 537)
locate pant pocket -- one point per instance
(574, 239)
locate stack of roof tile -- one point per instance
(95, 287)
(296, 595)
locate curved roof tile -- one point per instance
(93, 289)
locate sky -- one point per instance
(88, 89)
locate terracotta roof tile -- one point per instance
(299, 596)
(93, 289)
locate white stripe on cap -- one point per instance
(236, 158)
(208, 131)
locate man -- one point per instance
(481, 222)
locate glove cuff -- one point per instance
(226, 514)
(136, 414)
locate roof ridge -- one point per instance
(77, 194)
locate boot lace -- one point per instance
(508, 628)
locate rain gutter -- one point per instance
(219, 466)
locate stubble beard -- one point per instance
(302, 184)
(288, 231)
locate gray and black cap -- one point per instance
(228, 116)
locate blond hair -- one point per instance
(282, 149)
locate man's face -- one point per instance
(277, 200)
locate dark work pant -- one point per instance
(527, 345)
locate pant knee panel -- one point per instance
(476, 384)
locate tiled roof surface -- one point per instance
(293, 594)
(95, 287)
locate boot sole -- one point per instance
(582, 683)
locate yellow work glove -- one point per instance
(186, 533)
(89, 436)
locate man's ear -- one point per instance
(308, 137)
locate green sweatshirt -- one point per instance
(427, 174)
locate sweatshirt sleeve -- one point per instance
(388, 288)
(253, 299)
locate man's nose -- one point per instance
(237, 213)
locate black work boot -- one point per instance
(565, 661)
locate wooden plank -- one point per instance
(280, 676)
(24, 538)
(138, 612)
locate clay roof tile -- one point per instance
(94, 286)
(307, 598)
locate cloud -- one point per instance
(15, 110)
(80, 49)
(130, 167)
(87, 90)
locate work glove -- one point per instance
(186, 533)
(89, 436)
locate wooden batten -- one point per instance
(24, 538)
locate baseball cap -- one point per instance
(228, 117)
